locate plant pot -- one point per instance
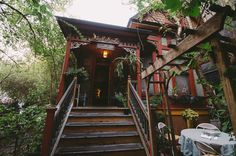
(189, 123)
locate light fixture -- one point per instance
(105, 54)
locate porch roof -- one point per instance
(88, 29)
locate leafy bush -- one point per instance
(20, 129)
(190, 114)
(121, 98)
(81, 73)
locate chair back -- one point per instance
(207, 126)
(206, 149)
(161, 126)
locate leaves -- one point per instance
(173, 5)
(15, 124)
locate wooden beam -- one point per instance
(64, 69)
(207, 29)
(222, 63)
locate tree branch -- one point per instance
(6, 76)
(9, 57)
(19, 12)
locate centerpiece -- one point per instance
(190, 117)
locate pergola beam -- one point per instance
(206, 30)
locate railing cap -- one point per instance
(51, 108)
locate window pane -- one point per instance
(182, 85)
(164, 41)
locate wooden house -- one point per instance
(96, 123)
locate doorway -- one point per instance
(101, 84)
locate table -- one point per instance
(221, 143)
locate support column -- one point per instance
(139, 87)
(192, 83)
(64, 69)
(155, 76)
(222, 63)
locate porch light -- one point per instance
(105, 54)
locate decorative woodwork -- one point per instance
(204, 31)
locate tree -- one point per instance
(31, 24)
(28, 25)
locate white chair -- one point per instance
(165, 131)
(207, 126)
(206, 149)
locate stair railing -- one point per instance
(56, 120)
(142, 118)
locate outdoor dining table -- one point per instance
(223, 142)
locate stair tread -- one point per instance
(99, 148)
(81, 124)
(99, 108)
(74, 114)
(98, 134)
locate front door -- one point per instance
(101, 84)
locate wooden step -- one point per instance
(98, 138)
(99, 126)
(99, 109)
(98, 117)
(103, 150)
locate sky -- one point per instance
(115, 12)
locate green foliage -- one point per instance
(218, 106)
(156, 100)
(81, 73)
(30, 25)
(121, 98)
(190, 114)
(128, 62)
(21, 129)
(27, 83)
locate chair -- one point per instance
(206, 149)
(165, 131)
(207, 126)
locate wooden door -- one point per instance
(101, 85)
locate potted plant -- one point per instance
(122, 101)
(190, 117)
(126, 63)
(155, 100)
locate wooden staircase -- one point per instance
(100, 131)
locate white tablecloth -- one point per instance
(221, 143)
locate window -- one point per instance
(164, 41)
(173, 41)
(182, 84)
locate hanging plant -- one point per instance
(129, 60)
(81, 73)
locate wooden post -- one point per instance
(192, 86)
(222, 62)
(152, 132)
(47, 133)
(164, 87)
(128, 91)
(139, 87)
(64, 69)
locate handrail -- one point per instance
(64, 107)
(140, 116)
(140, 102)
(56, 120)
